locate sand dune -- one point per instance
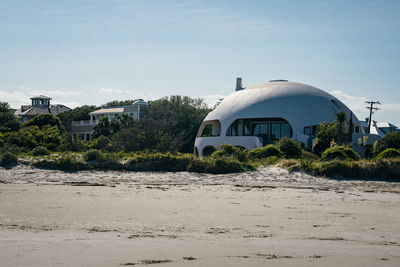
(268, 217)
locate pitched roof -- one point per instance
(57, 109)
(385, 125)
(41, 97)
(107, 111)
(34, 111)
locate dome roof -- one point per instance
(300, 104)
(140, 102)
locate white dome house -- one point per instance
(258, 115)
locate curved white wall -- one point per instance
(300, 104)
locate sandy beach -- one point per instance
(269, 217)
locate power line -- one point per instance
(371, 111)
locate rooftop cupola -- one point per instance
(41, 101)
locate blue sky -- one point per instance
(95, 51)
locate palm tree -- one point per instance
(340, 118)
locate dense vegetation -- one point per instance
(162, 140)
(8, 122)
(331, 133)
(76, 114)
(170, 124)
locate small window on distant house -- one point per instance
(356, 129)
(307, 130)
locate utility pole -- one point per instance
(371, 111)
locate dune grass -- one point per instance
(337, 163)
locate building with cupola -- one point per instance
(39, 105)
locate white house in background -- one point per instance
(84, 129)
(258, 115)
(380, 128)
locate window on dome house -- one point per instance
(210, 129)
(268, 129)
(233, 130)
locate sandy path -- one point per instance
(269, 217)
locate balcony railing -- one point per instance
(84, 123)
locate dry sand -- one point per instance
(268, 217)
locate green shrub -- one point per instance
(385, 168)
(265, 152)
(110, 162)
(389, 153)
(391, 140)
(271, 160)
(208, 150)
(335, 168)
(45, 164)
(289, 148)
(159, 162)
(93, 154)
(339, 153)
(1, 140)
(327, 132)
(290, 164)
(231, 151)
(69, 163)
(7, 159)
(75, 145)
(102, 142)
(40, 151)
(44, 120)
(33, 136)
(218, 165)
(23, 138)
(306, 155)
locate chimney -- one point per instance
(239, 84)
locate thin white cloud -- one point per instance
(212, 99)
(113, 91)
(127, 94)
(357, 103)
(55, 93)
(15, 99)
(71, 104)
(22, 96)
(390, 106)
(387, 112)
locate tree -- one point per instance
(330, 132)
(44, 120)
(340, 118)
(391, 140)
(170, 124)
(117, 103)
(103, 128)
(8, 121)
(179, 117)
(122, 121)
(289, 147)
(30, 137)
(76, 114)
